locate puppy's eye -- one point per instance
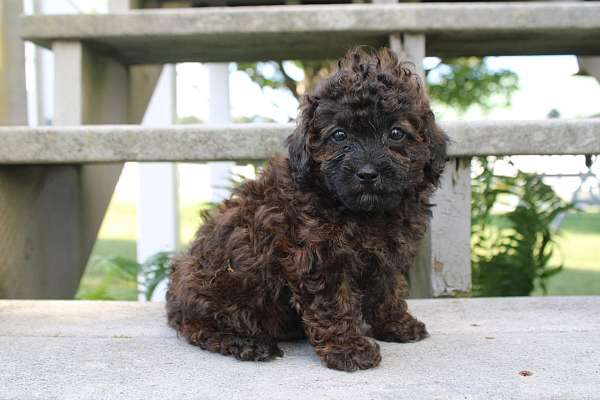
(339, 136)
(397, 134)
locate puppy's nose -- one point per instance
(367, 173)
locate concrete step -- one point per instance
(106, 143)
(326, 31)
(478, 349)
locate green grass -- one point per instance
(101, 280)
(579, 242)
(573, 281)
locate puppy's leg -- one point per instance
(332, 322)
(203, 312)
(245, 348)
(389, 317)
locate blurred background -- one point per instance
(557, 195)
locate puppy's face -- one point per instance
(368, 158)
(367, 134)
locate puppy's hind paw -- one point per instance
(409, 329)
(251, 348)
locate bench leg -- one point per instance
(443, 266)
(38, 239)
(51, 214)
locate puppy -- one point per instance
(320, 242)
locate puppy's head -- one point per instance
(367, 134)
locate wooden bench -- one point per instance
(100, 78)
(55, 184)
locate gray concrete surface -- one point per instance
(90, 144)
(478, 347)
(325, 31)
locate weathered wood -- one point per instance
(311, 32)
(102, 95)
(40, 240)
(277, 33)
(38, 205)
(410, 47)
(142, 81)
(22, 190)
(120, 143)
(449, 262)
(88, 88)
(13, 102)
(443, 264)
(123, 5)
(50, 215)
(590, 66)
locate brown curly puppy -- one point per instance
(320, 241)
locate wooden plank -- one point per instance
(310, 32)
(120, 143)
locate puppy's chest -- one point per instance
(368, 247)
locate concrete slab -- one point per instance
(477, 349)
(326, 31)
(97, 144)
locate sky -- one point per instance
(546, 83)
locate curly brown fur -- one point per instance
(321, 241)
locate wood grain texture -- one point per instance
(310, 32)
(119, 143)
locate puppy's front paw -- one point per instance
(360, 353)
(408, 329)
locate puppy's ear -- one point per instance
(299, 141)
(438, 142)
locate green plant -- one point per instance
(456, 82)
(465, 81)
(511, 251)
(146, 275)
(151, 272)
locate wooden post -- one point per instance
(13, 99)
(37, 233)
(443, 266)
(51, 214)
(89, 89)
(31, 229)
(589, 65)
(410, 47)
